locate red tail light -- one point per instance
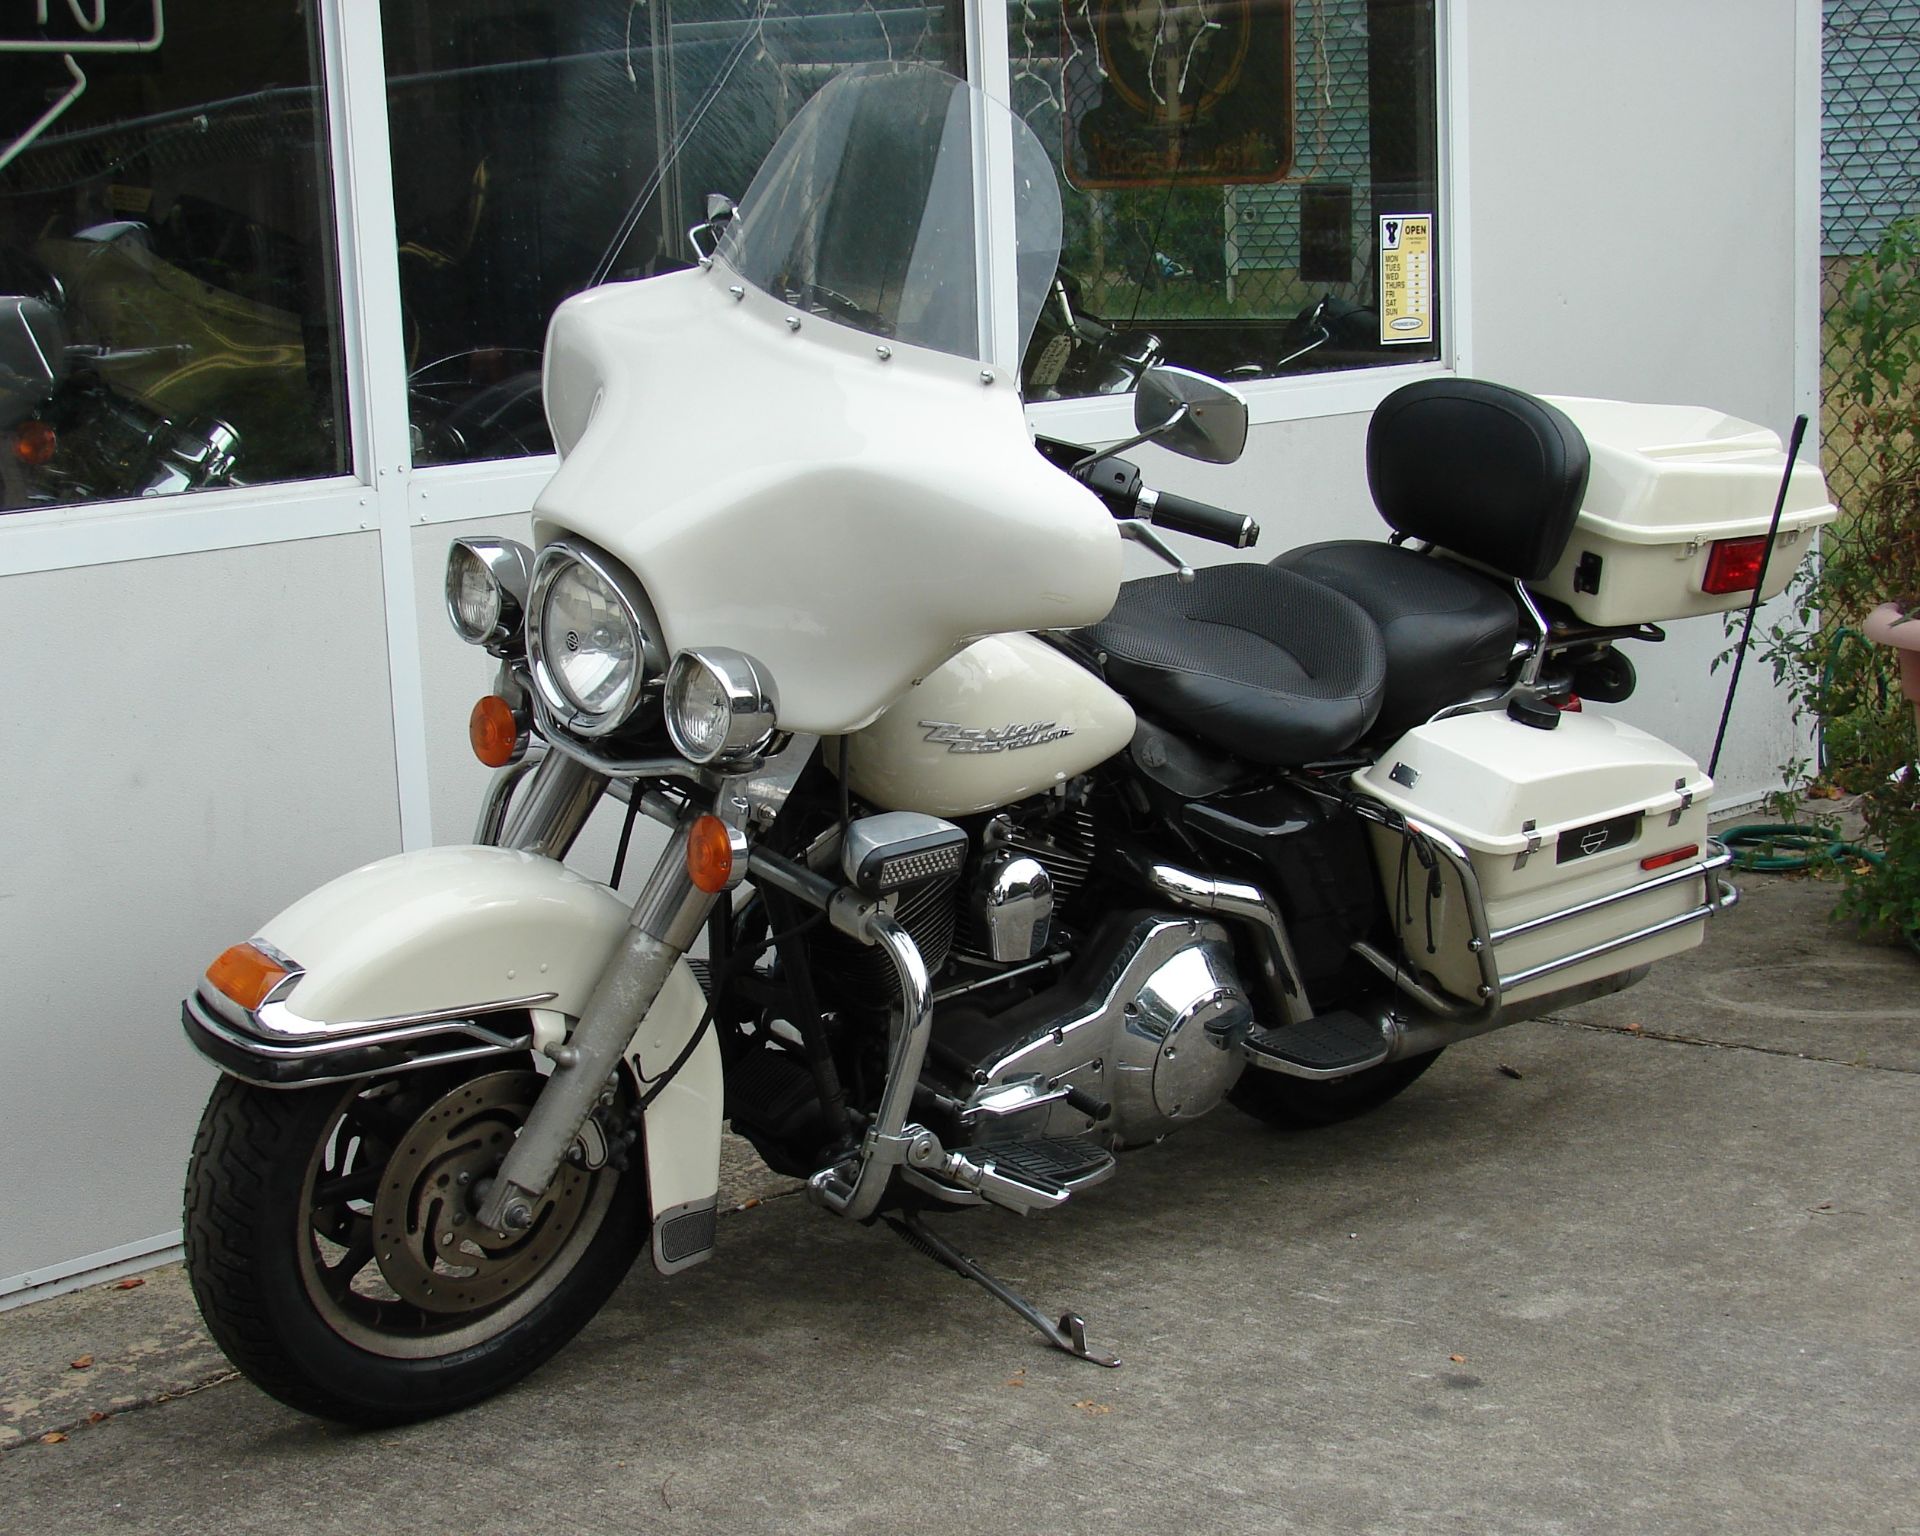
(1570, 704)
(1671, 856)
(1733, 565)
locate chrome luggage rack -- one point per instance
(1719, 895)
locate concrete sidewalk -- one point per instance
(1648, 1267)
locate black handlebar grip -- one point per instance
(1200, 520)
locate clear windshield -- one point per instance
(863, 212)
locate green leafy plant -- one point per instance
(1870, 556)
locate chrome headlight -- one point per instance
(487, 590)
(721, 705)
(593, 637)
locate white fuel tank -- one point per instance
(1006, 718)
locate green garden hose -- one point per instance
(1775, 847)
(1778, 847)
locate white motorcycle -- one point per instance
(1002, 866)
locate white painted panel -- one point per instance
(1634, 233)
(1633, 217)
(194, 741)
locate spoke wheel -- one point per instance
(393, 1259)
(332, 1247)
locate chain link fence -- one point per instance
(1870, 159)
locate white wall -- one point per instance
(1633, 233)
(193, 742)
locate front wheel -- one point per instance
(331, 1249)
(1300, 1104)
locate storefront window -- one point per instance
(541, 148)
(169, 312)
(1250, 185)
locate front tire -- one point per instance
(330, 1251)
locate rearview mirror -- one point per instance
(1190, 414)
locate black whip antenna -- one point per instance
(1759, 586)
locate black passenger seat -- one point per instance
(1476, 469)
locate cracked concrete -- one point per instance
(1642, 1279)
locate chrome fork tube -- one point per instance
(551, 807)
(493, 808)
(666, 920)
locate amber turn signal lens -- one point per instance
(246, 975)
(33, 443)
(494, 732)
(709, 854)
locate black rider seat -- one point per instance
(1448, 630)
(1259, 662)
(1487, 472)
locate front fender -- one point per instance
(435, 955)
(443, 930)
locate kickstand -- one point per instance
(1069, 1334)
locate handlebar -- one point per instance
(1166, 510)
(1117, 482)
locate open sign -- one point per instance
(82, 26)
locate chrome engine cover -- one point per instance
(1159, 1043)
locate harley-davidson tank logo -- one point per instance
(1001, 738)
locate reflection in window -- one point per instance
(544, 146)
(1230, 170)
(169, 318)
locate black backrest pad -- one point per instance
(1486, 471)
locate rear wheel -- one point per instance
(1300, 1104)
(332, 1251)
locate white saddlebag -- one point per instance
(1559, 828)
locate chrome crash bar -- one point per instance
(257, 1052)
(1719, 895)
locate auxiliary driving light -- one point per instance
(721, 706)
(487, 583)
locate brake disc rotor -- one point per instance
(426, 1242)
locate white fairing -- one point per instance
(452, 928)
(848, 519)
(1006, 718)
